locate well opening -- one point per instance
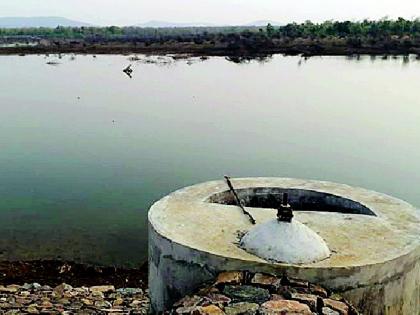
(299, 199)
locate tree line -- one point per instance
(380, 28)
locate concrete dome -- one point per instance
(284, 242)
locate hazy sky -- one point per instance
(216, 11)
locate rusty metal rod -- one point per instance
(238, 201)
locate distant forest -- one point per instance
(381, 28)
(330, 37)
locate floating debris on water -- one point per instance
(53, 63)
(128, 71)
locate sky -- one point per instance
(128, 12)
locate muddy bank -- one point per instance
(53, 273)
(308, 49)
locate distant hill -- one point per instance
(157, 24)
(54, 21)
(41, 21)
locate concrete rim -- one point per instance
(186, 218)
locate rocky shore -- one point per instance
(35, 298)
(125, 292)
(244, 293)
(57, 287)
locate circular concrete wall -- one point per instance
(373, 238)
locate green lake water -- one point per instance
(85, 150)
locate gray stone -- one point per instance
(102, 288)
(247, 293)
(328, 311)
(338, 306)
(266, 280)
(103, 304)
(308, 299)
(189, 301)
(284, 307)
(9, 288)
(217, 298)
(230, 277)
(242, 308)
(130, 291)
(60, 289)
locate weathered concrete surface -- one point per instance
(375, 260)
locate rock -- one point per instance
(336, 296)
(23, 300)
(208, 290)
(86, 301)
(32, 309)
(27, 286)
(186, 310)
(97, 295)
(135, 303)
(284, 307)
(338, 306)
(209, 310)
(246, 293)
(265, 280)
(46, 304)
(130, 291)
(9, 289)
(70, 294)
(103, 304)
(328, 311)
(286, 291)
(36, 286)
(117, 302)
(102, 288)
(46, 288)
(189, 301)
(31, 286)
(298, 283)
(230, 277)
(308, 299)
(64, 301)
(5, 305)
(60, 289)
(277, 297)
(242, 308)
(75, 305)
(318, 290)
(217, 298)
(81, 290)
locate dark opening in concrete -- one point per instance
(299, 199)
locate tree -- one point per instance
(270, 30)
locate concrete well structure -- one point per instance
(374, 240)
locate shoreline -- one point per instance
(55, 272)
(59, 287)
(199, 51)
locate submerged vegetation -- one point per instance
(385, 36)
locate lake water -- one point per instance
(85, 150)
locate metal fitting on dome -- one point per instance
(285, 212)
